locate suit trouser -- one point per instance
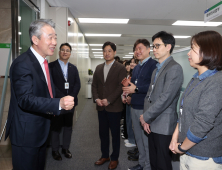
(28, 158)
(109, 120)
(66, 121)
(141, 139)
(160, 155)
(129, 125)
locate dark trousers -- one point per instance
(64, 121)
(109, 120)
(28, 158)
(160, 155)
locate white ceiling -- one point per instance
(147, 17)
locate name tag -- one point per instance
(181, 111)
(66, 85)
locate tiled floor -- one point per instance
(5, 157)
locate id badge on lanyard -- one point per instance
(66, 85)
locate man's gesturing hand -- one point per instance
(67, 102)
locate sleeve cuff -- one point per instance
(194, 138)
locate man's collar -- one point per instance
(145, 60)
(158, 65)
(110, 63)
(62, 62)
(37, 55)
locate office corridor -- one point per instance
(85, 146)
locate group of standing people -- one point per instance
(152, 95)
(44, 96)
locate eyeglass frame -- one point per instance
(67, 51)
(157, 46)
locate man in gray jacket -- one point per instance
(159, 117)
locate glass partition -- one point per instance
(27, 14)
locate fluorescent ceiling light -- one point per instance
(131, 53)
(75, 34)
(96, 49)
(98, 52)
(98, 55)
(181, 36)
(197, 23)
(95, 44)
(81, 49)
(74, 44)
(127, 57)
(83, 52)
(103, 20)
(102, 35)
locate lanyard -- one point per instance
(181, 105)
(65, 76)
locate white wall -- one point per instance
(95, 62)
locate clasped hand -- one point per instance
(103, 102)
(67, 102)
(129, 89)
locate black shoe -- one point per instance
(56, 155)
(134, 158)
(133, 152)
(137, 167)
(67, 153)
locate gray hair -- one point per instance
(36, 26)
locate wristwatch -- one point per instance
(136, 90)
(180, 149)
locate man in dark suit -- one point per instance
(32, 99)
(66, 79)
(159, 117)
(107, 90)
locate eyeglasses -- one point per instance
(157, 46)
(62, 50)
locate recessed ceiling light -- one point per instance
(102, 35)
(95, 44)
(98, 55)
(181, 36)
(103, 20)
(98, 52)
(96, 49)
(197, 23)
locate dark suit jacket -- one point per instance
(111, 89)
(31, 106)
(59, 80)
